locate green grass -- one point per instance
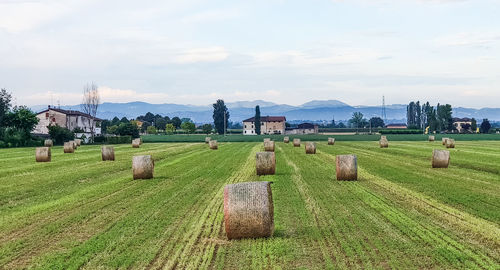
(314, 137)
(79, 212)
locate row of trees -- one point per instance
(437, 118)
(16, 123)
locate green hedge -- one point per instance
(400, 131)
(119, 139)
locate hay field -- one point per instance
(80, 212)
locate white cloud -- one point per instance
(468, 39)
(211, 16)
(209, 54)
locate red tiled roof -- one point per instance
(69, 112)
(267, 119)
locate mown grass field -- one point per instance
(80, 212)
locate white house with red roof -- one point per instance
(268, 125)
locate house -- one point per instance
(68, 119)
(268, 125)
(396, 126)
(304, 128)
(462, 124)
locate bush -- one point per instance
(99, 139)
(400, 131)
(60, 134)
(119, 139)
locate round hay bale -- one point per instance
(310, 148)
(296, 142)
(331, 141)
(78, 142)
(265, 163)
(74, 144)
(42, 154)
(440, 158)
(48, 143)
(248, 210)
(443, 140)
(346, 167)
(450, 143)
(432, 138)
(213, 145)
(143, 167)
(267, 139)
(384, 143)
(269, 146)
(383, 137)
(207, 139)
(108, 153)
(69, 147)
(286, 139)
(136, 143)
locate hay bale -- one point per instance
(384, 143)
(286, 139)
(440, 158)
(267, 139)
(207, 139)
(140, 140)
(78, 142)
(69, 147)
(213, 145)
(432, 138)
(450, 143)
(346, 167)
(74, 144)
(42, 154)
(331, 141)
(310, 148)
(383, 138)
(265, 163)
(248, 210)
(443, 140)
(108, 153)
(269, 146)
(296, 142)
(136, 143)
(48, 143)
(143, 167)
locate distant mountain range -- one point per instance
(315, 110)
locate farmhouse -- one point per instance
(66, 118)
(304, 128)
(268, 125)
(462, 124)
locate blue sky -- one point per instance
(290, 52)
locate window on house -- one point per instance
(53, 119)
(46, 115)
(245, 126)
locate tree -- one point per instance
(376, 122)
(220, 116)
(444, 117)
(112, 129)
(128, 128)
(124, 120)
(188, 127)
(414, 115)
(60, 134)
(333, 122)
(473, 125)
(357, 119)
(257, 120)
(466, 128)
(341, 125)
(5, 98)
(207, 128)
(22, 119)
(151, 130)
(160, 123)
(485, 126)
(176, 121)
(115, 121)
(104, 125)
(90, 104)
(170, 128)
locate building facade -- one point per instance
(462, 124)
(268, 125)
(66, 118)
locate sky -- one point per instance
(288, 52)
